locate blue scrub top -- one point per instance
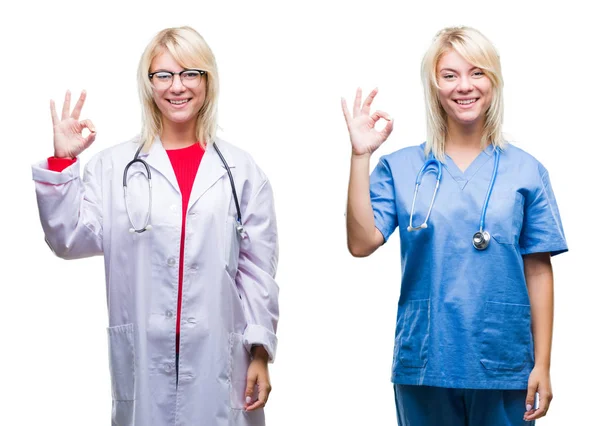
(464, 319)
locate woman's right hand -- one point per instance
(69, 141)
(361, 125)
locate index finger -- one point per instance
(542, 409)
(260, 402)
(367, 105)
(79, 105)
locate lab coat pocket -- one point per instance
(506, 336)
(239, 361)
(122, 372)
(506, 220)
(231, 246)
(414, 335)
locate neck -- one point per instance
(178, 135)
(464, 137)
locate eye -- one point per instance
(448, 76)
(190, 74)
(163, 76)
(478, 73)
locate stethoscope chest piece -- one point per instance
(481, 240)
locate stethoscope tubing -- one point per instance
(481, 238)
(147, 225)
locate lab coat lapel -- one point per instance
(158, 160)
(210, 171)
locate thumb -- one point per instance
(530, 400)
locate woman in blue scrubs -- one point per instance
(474, 322)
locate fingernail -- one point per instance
(248, 400)
(528, 407)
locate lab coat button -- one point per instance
(168, 314)
(191, 320)
(168, 367)
(194, 266)
(171, 261)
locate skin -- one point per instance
(179, 123)
(458, 80)
(179, 131)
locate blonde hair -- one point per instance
(191, 51)
(478, 51)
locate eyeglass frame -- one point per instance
(173, 74)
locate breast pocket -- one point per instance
(505, 217)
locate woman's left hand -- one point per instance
(539, 381)
(258, 374)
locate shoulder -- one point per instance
(240, 160)
(522, 161)
(415, 153)
(122, 150)
(113, 156)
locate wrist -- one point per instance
(366, 156)
(259, 352)
(63, 155)
(541, 365)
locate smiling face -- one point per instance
(178, 104)
(465, 92)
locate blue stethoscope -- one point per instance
(481, 238)
(147, 226)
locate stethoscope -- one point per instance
(481, 238)
(147, 226)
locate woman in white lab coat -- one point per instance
(192, 300)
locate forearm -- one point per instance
(540, 285)
(363, 237)
(69, 211)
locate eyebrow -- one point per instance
(165, 70)
(450, 69)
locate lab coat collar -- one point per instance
(158, 159)
(211, 170)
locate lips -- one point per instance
(466, 101)
(178, 101)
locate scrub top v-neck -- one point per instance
(463, 317)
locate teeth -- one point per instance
(465, 102)
(179, 102)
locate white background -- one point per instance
(283, 69)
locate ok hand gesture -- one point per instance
(361, 125)
(69, 141)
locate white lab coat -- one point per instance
(230, 297)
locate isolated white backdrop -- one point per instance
(283, 68)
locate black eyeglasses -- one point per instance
(190, 78)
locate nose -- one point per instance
(177, 85)
(465, 85)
